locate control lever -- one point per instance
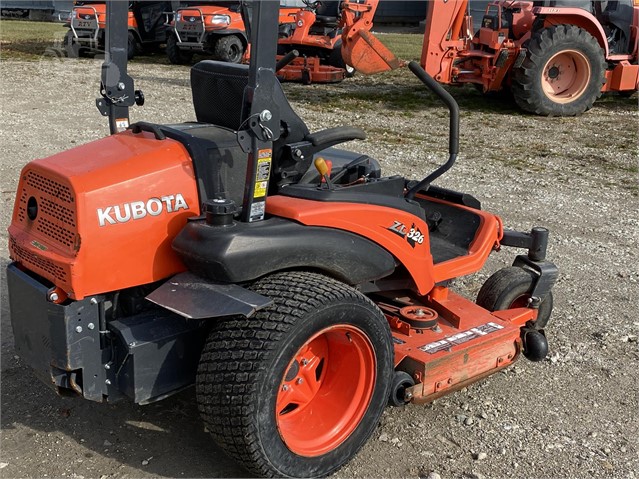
(323, 170)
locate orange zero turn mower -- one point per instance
(294, 284)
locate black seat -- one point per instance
(218, 98)
(327, 14)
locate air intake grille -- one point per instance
(37, 262)
(55, 219)
(50, 187)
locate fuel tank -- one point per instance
(101, 217)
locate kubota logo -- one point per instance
(137, 210)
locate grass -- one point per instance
(24, 40)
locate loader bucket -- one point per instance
(364, 52)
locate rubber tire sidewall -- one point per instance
(132, 46)
(175, 55)
(527, 85)
(71, 48)
(280, 457)
(508, 284)
(222, 45)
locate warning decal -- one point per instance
(460, 338)
(263, 173)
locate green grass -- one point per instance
(404, 46)
(24, 40)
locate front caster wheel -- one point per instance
(296, 390)
(510, 288)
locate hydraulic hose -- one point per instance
(453, 135)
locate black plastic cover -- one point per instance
(246, 251)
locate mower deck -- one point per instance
(310, 70)
(450, 343)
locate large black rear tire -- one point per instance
(296, 390)
(175, 54)
(562, 74)
(228, 48)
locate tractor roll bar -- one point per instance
(453, 139)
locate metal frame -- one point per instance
(94, 38)
(175, 29)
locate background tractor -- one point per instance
(556, 57)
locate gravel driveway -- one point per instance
(572, 415)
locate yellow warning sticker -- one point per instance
(263, 173)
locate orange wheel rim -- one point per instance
(566, 76)
(326, 390)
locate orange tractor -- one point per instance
(315, 36)
(556, 57)
(146, 25)
(294, 284)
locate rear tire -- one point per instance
(562, 74)
(510, 288)
(228, 48)
(176, 55)
(267, 387)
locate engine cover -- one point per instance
(101, 217)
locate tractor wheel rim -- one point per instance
(326, 390)
(566, 76)
(235, 53)
(520, 302)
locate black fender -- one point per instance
(242, 252)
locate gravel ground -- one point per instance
(572, 415)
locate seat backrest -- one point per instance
(218, 98)
(218, 92)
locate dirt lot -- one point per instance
(573, 415)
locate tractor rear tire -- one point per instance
(228, 48)
(510, 288)
(297, 389)
(175, 54)
(562, 74)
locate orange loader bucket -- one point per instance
(364, 52)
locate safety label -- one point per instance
(257, 211)
(122, 123)
(263, 173)
(460, 338)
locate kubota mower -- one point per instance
(316, 37)
(296, 286)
